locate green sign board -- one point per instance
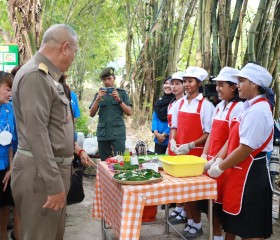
(8, 57)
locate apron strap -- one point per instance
(230, 110)
(181, 104)
(200, 105)
(257, 151)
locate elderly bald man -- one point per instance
(42, 165)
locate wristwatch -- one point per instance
(119, 102)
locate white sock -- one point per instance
(183, 213)
(218, 238)
(177, 209)
(196, 225)
(190, 223)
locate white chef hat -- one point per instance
(196, 72)
(177, 75)
(256, 74)
(227, 74)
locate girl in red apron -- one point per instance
(229, 108)
(247, 195)
(178, 91)
(191, 123)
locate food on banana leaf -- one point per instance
(137, 175)
(122, 166)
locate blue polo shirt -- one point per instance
(7, 123)
(75, 105)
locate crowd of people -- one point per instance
(37, 141)
(235, 136)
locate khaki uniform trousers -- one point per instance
(29, 194)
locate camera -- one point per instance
(108, 90)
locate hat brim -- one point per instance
(217, 79)
(176, 79)
(192, 77)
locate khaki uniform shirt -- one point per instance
(43, 117)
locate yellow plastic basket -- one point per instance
(183, 165)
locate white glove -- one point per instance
(173, 146)
(185, 148)
(204, 156)
(217, 162)
(209, 164)
(191, 145)
(214, 171)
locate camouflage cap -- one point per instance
(107, 72)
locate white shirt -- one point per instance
(221, 111)
(256, 124)
(206, 112)
(171, 105)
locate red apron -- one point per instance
(236, 176)
(189, 128)
(218, 137)
(169, 120)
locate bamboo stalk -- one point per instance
(222, 36)
(207, 30)
(253, 31)
(233, 30)
(238, 37)
(199, 60)
(266, 47)
(215, 47)
(192, 42)
(263, 29)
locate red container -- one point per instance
(149, 213)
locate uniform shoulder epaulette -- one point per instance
(43, 67)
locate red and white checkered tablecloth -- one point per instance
(121, 206)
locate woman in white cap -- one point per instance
(177, 89)
(191, 124)
(247, 196)
(229, 108)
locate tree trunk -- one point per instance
(25, 17)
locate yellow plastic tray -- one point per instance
(183, 165)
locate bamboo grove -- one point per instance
(159, 36)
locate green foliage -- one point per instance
(82, 122)
(4, 20)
